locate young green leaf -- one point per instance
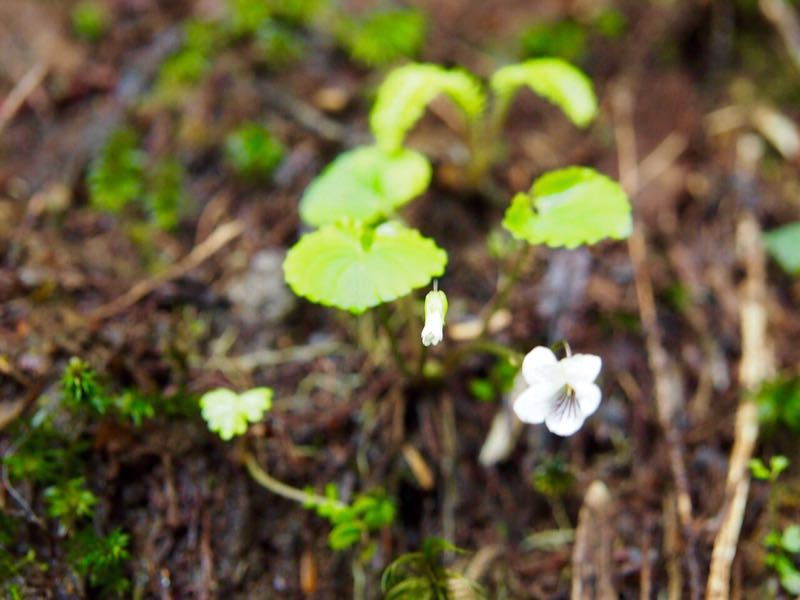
(354, 267)
(364, 184)
(790, 540)
(229, 413)
(570, 207)
(555, 80)
(784, 246)
(405, 93)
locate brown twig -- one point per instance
(784, 19)
(591, 555)
(221, 236)
(668, 385)
(21, 92)
(757, 364)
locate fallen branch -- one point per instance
(221, 236)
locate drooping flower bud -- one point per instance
(435, 311)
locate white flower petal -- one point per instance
(540, 364)
(536, 403)
(432, 333)
(565, 422)
(581, 367)
(587, 395)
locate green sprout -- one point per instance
(70, 502)
(253, 151)
(229, 414)
(116, 175)
(777, 465)
(779, 403)
(89, 20)
(352, 523)
(81, 388)
(165, 199)
(101, 560)
(782, 553)
(422, 576)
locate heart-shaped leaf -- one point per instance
(364, 184)
(354, 267)
(570, 207)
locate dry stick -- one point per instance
(756, 365)
(784, 19)
(21, 92)
(221, 236)
(592, 552)
(668, 389)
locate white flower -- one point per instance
(435, 310)
(561, 393)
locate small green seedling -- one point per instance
(352, 523)
(90, 20)
(81, 387)
(70, 502)
(782, 552)
(422, 576)
(253, 151)
(116, 175)
(229, 414)
(779, 403)
(166, 200)
(777, 465)
(101, 560)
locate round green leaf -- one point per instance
(364, 184)
(354, 268)
(570, 207)
(555, 80)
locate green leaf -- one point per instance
(555, 80)
(404, 94)
(229, 413)
(345, 535)
(364, 184)
(570, 207)
(758, 469)
(784, 246)
(354, 267)
(790, 540)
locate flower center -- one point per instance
(567, 403)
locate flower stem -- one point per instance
(284, 490)
(395, 347)
(500, 297)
